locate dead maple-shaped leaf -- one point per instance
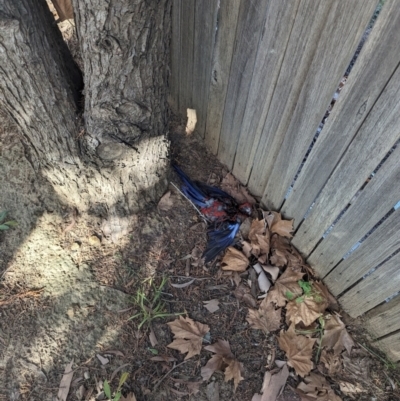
(298, 349)
(272, 385)
(258, 227)
(333, 363)
(279, 226)
(336, 336)
(223, 360)
(243, 292)
(315, 387)
(166, 202)
(304, 309)
(286, 287)
(266, 318)
(234, 260)
(188, 336)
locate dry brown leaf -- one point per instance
(332, 302)
(234, 260)
(315, 387)
(188, 336)
(272, 271)
(272, 385)
(246, 248)
(245, 228)
(166, 202)
(163, 358)
(266, 318)
(304, 309)
(271, 218)
(350, 389)
(298, 350)
(286, 283)
(278, 258)
(332, 362)
(211, 305)
(233, 187)
(263, 241)
(65, 382)
(281, 227)
(64, 9)
(258, 227)
(358, 367)
(234, 371)
(222, 360)
(336, 336)
(243, 292)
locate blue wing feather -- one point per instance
(219, 239)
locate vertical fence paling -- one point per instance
(221, 65)
(261, 76)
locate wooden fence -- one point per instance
(261, 75)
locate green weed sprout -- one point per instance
(6, 225)
(117, 395)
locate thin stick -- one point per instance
(160, 381)
(197, 210)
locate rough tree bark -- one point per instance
(119, 163)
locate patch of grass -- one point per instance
(117, 395)
(6, 225)
(150, 308)
(308, 291)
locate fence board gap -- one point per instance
(374, 201)
(365, 295)
(358, 96)
(377, 248)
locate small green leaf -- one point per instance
(3, 227)
(3, 215)
(117, 396)
(153, 351)
(11, 223)
(107, 390)
(305, 286)
(289, 295)
(122, 380)
(299, 300)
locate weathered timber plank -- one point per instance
(221, 65)
(186, 56)
(391, 346)
(175, 56)
(384, 319)
(383, 242)
(277, 28)
(374, 289)
(377, 199)
(355, 101)
(376, 136)
(248, 33)
(204, 37)
(338, 40)
(309, 22)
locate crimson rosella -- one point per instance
(222, 211)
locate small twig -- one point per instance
(197, 210)
(161, 380)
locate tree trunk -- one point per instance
(119, 163)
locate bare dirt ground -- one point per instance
(66, 294)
